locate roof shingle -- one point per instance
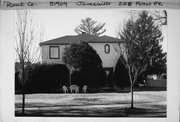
(79, 38)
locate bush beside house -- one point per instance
(18, 85)
(94, 79)
(121, 77)
(42, 78)
(87, 64)
(45, 77)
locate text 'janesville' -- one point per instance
(83, 3)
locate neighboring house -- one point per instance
(52, 50)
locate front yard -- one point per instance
(146, 103)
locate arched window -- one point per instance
(107, 48)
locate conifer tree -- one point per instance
(91, 27)
(142, 46)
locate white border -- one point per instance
(7, 75)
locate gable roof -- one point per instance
(105, 39)
(65, 40)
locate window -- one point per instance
(54, 52)
(107, 48)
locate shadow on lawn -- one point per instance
(103, 90)
(143, 112)
(81, 111)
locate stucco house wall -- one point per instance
(46, 54)
(108, 59)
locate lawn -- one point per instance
(147, 104)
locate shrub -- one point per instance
(78, 78)
(93, 78)
(46, 77)
(81, 56)
(18, 85)
(121, 77)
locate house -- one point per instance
(52, 50)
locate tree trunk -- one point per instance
(23, 102)
(23, 82)
(132, 97)
(132, 91)
(70, 72)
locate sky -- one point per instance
(61, 22)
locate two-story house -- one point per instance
(52, 50)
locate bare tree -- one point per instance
(159, 16)
(28, 35)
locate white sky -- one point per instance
(62, 22)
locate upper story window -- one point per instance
(107, 48)
(54, 52)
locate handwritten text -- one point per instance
(58, 4)
(83, 3)
(19, 4)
